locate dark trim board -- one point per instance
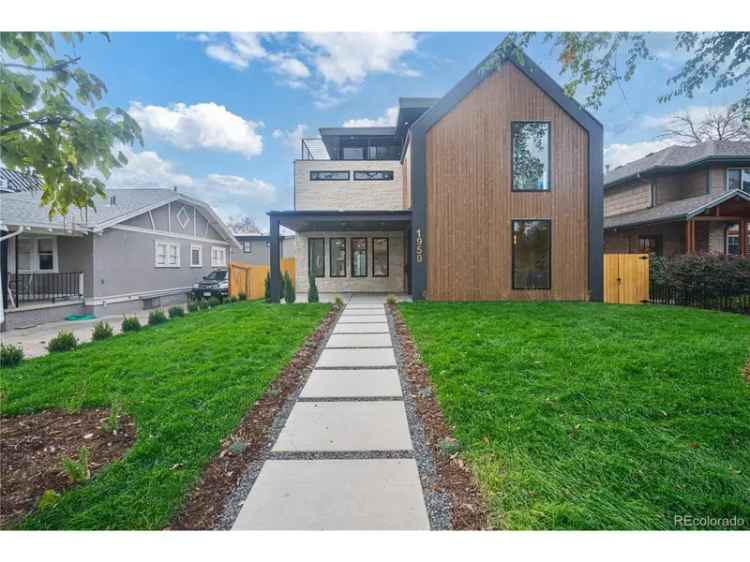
(446, 104)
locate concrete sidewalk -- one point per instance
(344, 458)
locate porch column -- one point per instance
(690, 236)
(275, 261)
(4, 272)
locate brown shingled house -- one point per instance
(683, 199)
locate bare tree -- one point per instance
(244, 225)
(732, 124)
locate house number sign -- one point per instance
(418, 241)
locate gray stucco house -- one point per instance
(138, 249)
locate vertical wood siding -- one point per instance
(470, 205)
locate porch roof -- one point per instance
(682, 209)
(302, 221)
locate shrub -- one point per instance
(213, 301)
(102, 331)
(192, 306)
(203, 304)
(156, 317)
(339, 302)
(131, 324)
(312, 295)
(267, 288)
(711, 275)
(176, 312)
(10, 355)
(64, 341)
(242, 297)
(111, 423)
(391, 299)
(289, 293)
(78, 469)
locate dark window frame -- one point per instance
(739, 239)
(313, 172)
(351, 250)
(387, 256)
(310, 261)
(386, 172)
(513, 257)
(742, 171)
(331, 261)
(549, 158)
(656, 237)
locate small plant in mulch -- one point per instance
(47, 500)
(448, 446)
(176, 312)
(102, 331)
(339, 303)
(391, 300)
(130, 324)
(78, 469)
(156, 317)
(111, 424)
(238, 447)
(10, 355)
(64, 341)
(242, 297)
(192, 306)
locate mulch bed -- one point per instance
(222, 475)
(32, 448)
(454, 477)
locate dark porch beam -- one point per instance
(275, 260)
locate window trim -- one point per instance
(513, 257)
(387, 256)
(224, 253)
(738, 236)
(374, 171)
(549, 158)
(309, 256)
(245, 245)
(166, 264)
(200, 255)
(347, 172)
(331, 261)
(351, 250)
(35, 255)
(735, 168)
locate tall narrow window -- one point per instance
(380, 257)
(733, 240)
(359, 257)
(316, 249)
(531, 156)
(46, 254)
(338, 257)
(532, 251)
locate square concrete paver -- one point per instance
(360, 494)
(374, 357)
(376, 307)
(361, 328)
(359, 340)
(363, 312)
(358, 383)
(362, 318)
(346, 426)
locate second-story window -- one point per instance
(530, 165)
(738, 178)
(247, 247)
(374, 175)
(329, 175)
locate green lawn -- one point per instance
(590, 416)
(187, 383)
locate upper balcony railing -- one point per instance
(359, 149)
(314, 149)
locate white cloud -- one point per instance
(619, 154)
(225, 54)
(289, 66)
(248, 45)
(388, 119)
(203, 125)
(291, 139)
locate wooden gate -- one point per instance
(251, 279)
(626, 278)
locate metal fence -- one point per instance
(31, 287)
(727, 301)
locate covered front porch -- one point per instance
(346, 253)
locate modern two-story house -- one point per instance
(683, 199)
(493, 191)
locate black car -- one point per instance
(215, 284)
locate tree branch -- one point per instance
(45, 121)
(54, 68)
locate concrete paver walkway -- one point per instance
(344, 458)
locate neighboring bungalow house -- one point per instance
(254, 248)
(493, 191)
(139, 249)
(683, 199)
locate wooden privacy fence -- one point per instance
(626, 278)
(251, 279)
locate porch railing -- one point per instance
(727, 301)
(44, 287)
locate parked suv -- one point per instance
(215, 284)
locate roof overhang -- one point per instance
(648, 172)
(343, 221)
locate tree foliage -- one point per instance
(51, 123)
(599, 60)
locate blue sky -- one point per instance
(222, 114)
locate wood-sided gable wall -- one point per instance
(470, 204)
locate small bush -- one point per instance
(203, 304)
(213, 301)
(111, 423)
(102, 331)
(78, 469)
(312, 295)
(156, 317)
(242, 297)
(193, 306)
(391, 299)
(47, 500)
(289, 293)
(10, 355)
(176, 312)
(131, 324)
(267, 288)
(339, 302)
(64, 341)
